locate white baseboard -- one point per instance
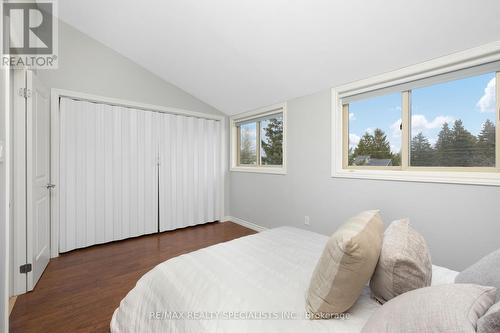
(244, 223)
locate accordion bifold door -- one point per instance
(190, 171)
(125, 172)
(108, 173)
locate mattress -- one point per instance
(256, 283)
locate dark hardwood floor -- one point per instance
(79, 290)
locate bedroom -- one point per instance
(200, 166)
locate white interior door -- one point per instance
(38, 177)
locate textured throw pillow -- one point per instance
(404, 263)
(485, 272)
(445, 308)
(490, 322)
(346, 265)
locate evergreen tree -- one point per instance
(485, 153)
(381, 147)
(365, 145)
(273, 143)
(463, 146)
(375, 146)
(421, 152)
(444, 146)
(396, 159)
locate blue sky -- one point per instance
(471, 99)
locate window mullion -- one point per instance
(405, 130)
(345, 135)
(257, 144)
(238, 145)
(497, 129)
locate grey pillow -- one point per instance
(444, 308)
(485, 272)
(490, 322)
(404, 263)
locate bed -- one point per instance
(255, 283)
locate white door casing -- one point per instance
(19, 187)
(38, 177)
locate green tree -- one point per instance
(375, 146)
(421, 152)
(365, 145)
(396, 159)
(381, 146)
(272, 144)
(485, 153)
(444, 146)
(463, 146)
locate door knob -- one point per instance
(50, 186)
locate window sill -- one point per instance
(448, 177)
(276, 171)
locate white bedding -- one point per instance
(265, 274)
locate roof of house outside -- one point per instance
(368, 161)
(379, 162)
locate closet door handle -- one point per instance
(50, 186)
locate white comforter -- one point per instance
(232, 286)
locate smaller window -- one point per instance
(258, 141)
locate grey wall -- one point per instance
(86, 65)
(461, 223)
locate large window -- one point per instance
(437, 127)
(451, 124)
(258, 141)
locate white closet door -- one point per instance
(108, 173)
(190, 171)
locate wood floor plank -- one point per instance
(79, 290)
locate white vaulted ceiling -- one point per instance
(238, 55)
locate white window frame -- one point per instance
(269, 110)
(447, 65)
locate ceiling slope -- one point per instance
(240, 55)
